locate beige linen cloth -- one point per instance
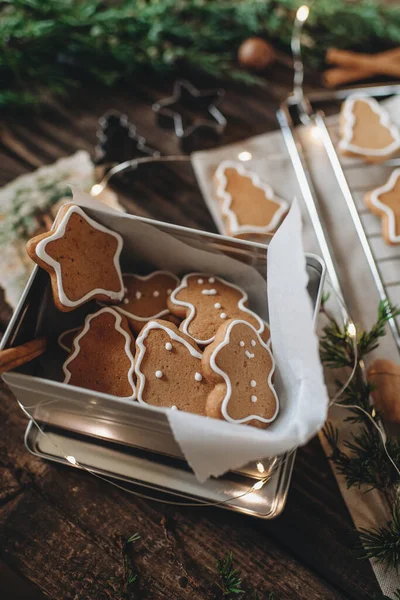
(269, 158)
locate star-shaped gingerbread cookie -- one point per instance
(241, 366)
(385, 202)
(82, 258)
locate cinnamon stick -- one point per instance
(333, 77)
(383, 63)
(20, 355)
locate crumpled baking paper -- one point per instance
(211, 446)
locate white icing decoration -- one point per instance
(156, 293)
(253, 383)
(200, 281)
(217, 305)
(192, 310)
(168, 346)
(57, 235)
(249, 354)
(241, 344)
(126, 301)
(349, 122)
(228, 384)
(159, 374)
(60, 339)
(211, 280)
(253, 398)
(253, 343)
(138, 295)
(141, 380)
(374, 199)
(211, 292)
(173, 407)
(223, 315)
(198, 376)
(135, 317)
(226, 198)
(127, 348)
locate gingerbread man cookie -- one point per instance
(385, 202)
(168, 369)
(146, 297)
(241, 366)
(367, 130)
(205, 302)
(101, 358)
(248, 205)
(82, 258)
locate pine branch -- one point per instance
(230, 580)
(383, 543)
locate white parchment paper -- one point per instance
(210, 446)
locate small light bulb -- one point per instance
(260, 467)
(351, 329)
(97, 188)
(302, 13)
(71, 459)
(258, 485)
(245, 156)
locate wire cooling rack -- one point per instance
(383, 260)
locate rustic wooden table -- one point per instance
(61, 530)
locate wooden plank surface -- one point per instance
(61, 531)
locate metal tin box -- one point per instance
(119, 438)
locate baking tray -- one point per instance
(125, 439)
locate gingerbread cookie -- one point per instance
(66, 339)
(205, 302)
(367, 130)
(168, 369)
(146, 297)
(248, 205)
(101, 359)
(82, 258)
(241, 366)
(385, 202)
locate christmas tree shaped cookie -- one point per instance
(248, 205)
(101, 358)
(385, 202)
(241, 366)
(82, 258)
(207, 301)
(367, 130)
(168, 369)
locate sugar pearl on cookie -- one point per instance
(253, 343)
(223, 315)
(168, 346)
(217, 305)
(254, 398)
(241, 344)
(125, 290)
(200, 281)
(159, 374)
(138, 295)
(169, 291)
(173, 407)
(211, 280)
(156, 293)
(253, 383)
(126, 301)
(198, 376)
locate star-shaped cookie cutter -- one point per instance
(114, 123)
(171, 117)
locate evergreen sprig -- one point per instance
(47, 46)
(363, 461)
(383, 543)
(230, 579)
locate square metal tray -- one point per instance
(124, 439)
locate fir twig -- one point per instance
(230, 580)
(383, 543)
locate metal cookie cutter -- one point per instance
(118, 140)
(193, 115)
